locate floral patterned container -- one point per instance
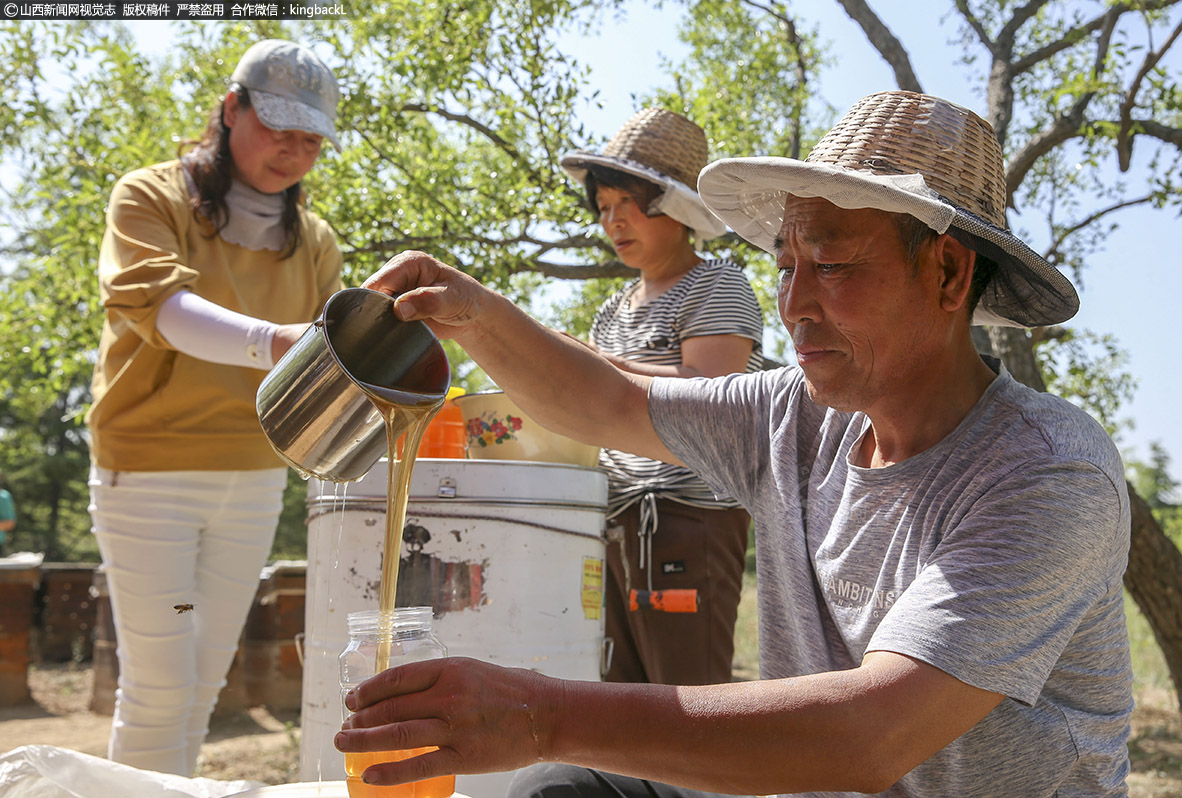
(496, 429)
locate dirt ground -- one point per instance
(256, 744)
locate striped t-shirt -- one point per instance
(713, 298)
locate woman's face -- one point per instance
(267, 160)
(638, 239)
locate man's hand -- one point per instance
(430, 291)
(559, 382)
(482, 717)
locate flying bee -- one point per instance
(182, 608)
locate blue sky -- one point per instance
(1130, 289)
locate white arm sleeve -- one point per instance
(207, 331)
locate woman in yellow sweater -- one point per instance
(210, 268)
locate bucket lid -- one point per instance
(480, 480)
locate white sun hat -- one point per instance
(904, 152)
(290, 88)
(665, 149)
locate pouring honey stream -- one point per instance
(409, 413)
(399, 412)
(317, 407)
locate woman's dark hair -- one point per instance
(641, 190)
(210, 164)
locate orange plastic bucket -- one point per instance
(445, 435)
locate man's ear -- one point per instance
(955, 262)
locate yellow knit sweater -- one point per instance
(156, 409)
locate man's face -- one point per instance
(864, 321)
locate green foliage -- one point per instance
(456, 115)
(747, 78)
(1082, 83)
(1170, 518)
(1153, 483)
(1150, 672)
(453, 119)
(576, 313)
(291, 535)
(1090, 370)
(44, 459)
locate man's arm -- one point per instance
(562, 384)
(860, 729)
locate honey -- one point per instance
(355, 765)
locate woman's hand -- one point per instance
(430, 291)
(484, 718)
(284, 338)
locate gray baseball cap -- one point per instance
(290, 88)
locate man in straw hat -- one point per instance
(940, 548)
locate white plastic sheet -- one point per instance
(46, 771)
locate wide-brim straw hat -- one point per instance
(663, 148)
(904, 152)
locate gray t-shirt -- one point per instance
(996, 556)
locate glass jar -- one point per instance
(378, 641)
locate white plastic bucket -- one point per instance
(510, 554)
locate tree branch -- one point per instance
(468, 121)
(1020, 17)
(793, 38)
(385, 156)
(1156, 130)
(1068, 39)
(1051, 253)
(885, 42)
(1067, 124)
(567, 271)
(1064, 129)
(1074, 35)
(771, 11)
(963, 7)
(1124, 141)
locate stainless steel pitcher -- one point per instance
(312, 406)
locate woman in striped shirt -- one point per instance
(683, 317)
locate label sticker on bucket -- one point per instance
(592, 588)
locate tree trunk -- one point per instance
(1154, 580)
(1013, 347)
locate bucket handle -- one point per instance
(299, 647)
(605, 658)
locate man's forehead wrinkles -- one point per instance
(810, 231)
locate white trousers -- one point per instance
(168, 538)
